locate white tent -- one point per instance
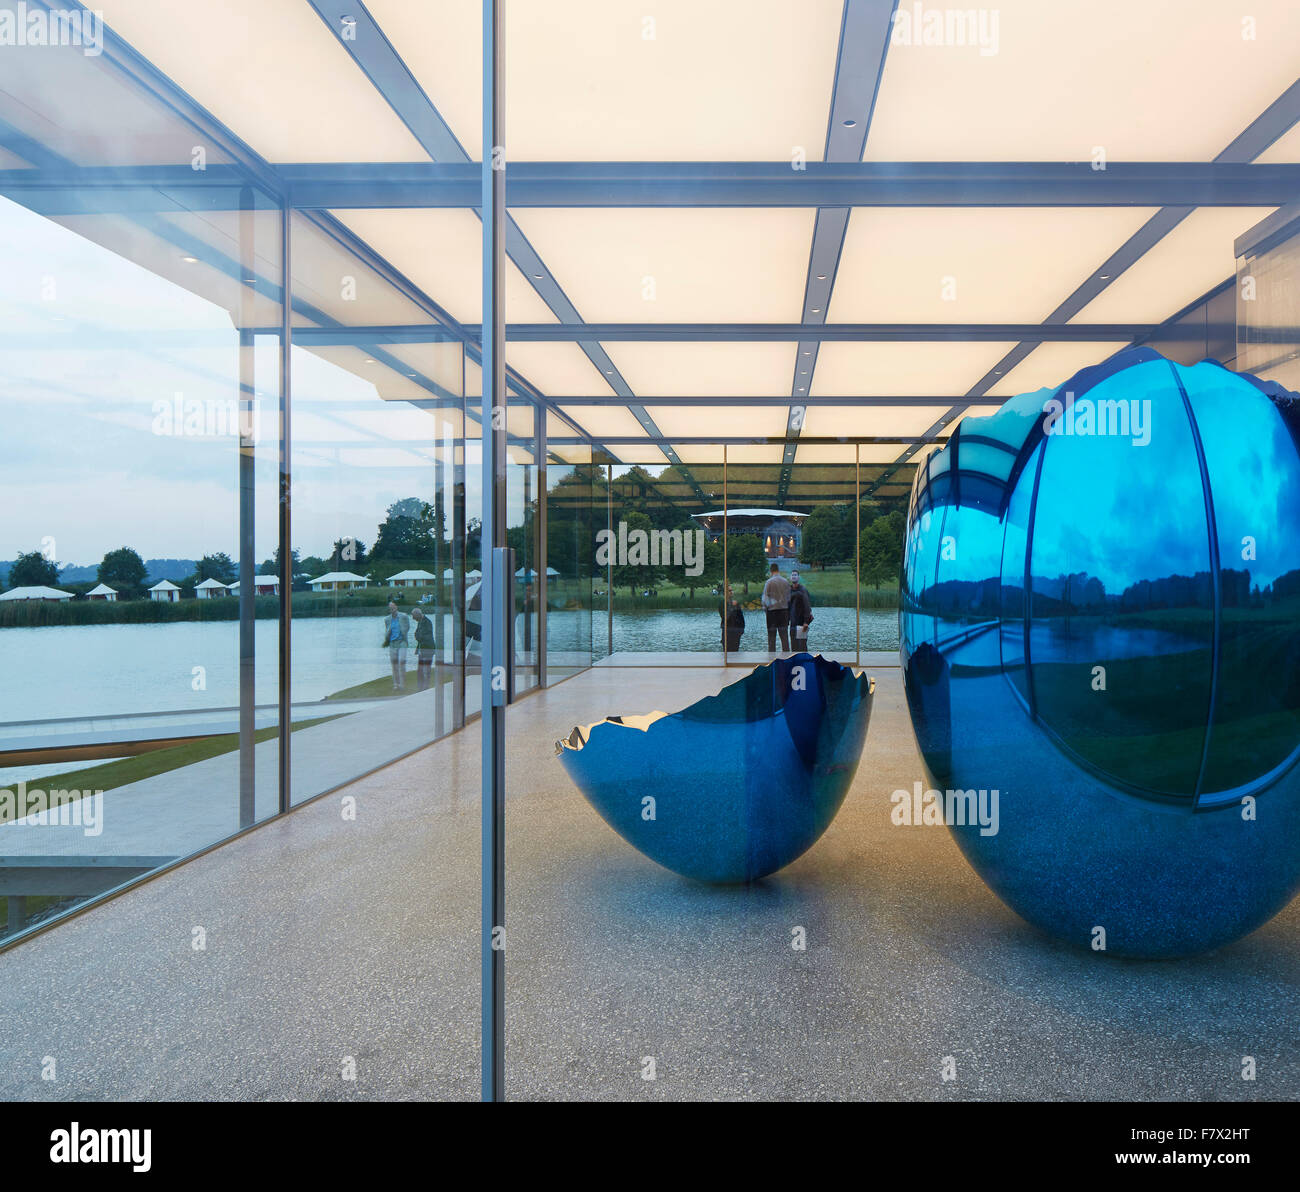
(165, 590)
(36, 592)
(210, 588)
(411, 579)
(337, 581)
(102, 592)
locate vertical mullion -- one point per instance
(493, 536)
(286, 507)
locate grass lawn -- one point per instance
(126, 770)
(382, 688)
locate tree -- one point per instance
(349, 554)
(827, 537)
(33, 570)
(881, 550)
(272, 565)
(219, 567)
(639, 575)
(122, 569)
(746, 560)
(407, 536)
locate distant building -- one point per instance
(411, 579)
(102, 592)
(263, 585)
(37, 592)
(165, 590)
(337, 581)
(779, 529)
(210, 588)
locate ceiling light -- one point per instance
(369, 361)
(821, 277)
(850, 124)
(190, 260)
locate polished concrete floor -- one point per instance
(340, 944)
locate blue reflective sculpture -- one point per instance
(735, 786)
(1101, 621)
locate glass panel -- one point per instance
(139, 478)
(377, 429)
(574, 502)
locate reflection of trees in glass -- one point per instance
(406, 538)
(122, 569)
(880, 549)
(827, 537)
(746, 560)
(635, 576)
(272, 565)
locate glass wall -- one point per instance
(139, 477)
(377, 429)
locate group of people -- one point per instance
(787, 608)
(397, 629)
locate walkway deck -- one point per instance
(329, 938)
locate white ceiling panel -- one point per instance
(903, 369)
(830, 453)
(557, 368)
(1052, 364)
(723, 421)
(440, 250)
(600, 421)
(676, 264)
(971, 264)
(271, 72)
(591, 80)
(866, 421)
(1195, 257)
(1144, 80)
(705, 369)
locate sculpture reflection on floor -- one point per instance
(737, 785)
(1101, 621)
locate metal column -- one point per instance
(286, 520)
(493, 536)
(247, 510)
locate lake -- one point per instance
(53, 672)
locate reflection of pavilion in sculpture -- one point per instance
(779, 529)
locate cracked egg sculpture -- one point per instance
(737, 785)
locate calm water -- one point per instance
(95, 670)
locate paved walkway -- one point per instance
(328, 938)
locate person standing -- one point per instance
(396, 627)
(801, 613)
(733, 621)
(424, 647)
(776, 600)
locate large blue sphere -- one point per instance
(1101, 622)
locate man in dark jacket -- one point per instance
(733, 621)
(423, 648)
(801, 613)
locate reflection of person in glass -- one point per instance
(776, 600)
(424, 647)
(733, 620)
(801, 613)
(396, 627)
